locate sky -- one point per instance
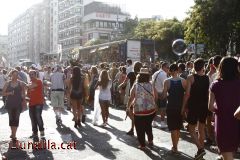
(10, 9)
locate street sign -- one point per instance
(200, 48)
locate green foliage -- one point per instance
(94, 42)
(129, 27)
(164, 32)
(214, 23)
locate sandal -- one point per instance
(174, 151)
(141, 147)
(150, 144)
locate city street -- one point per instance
(92, 142)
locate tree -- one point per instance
(214, 23)
(129, 27)
(164, 32)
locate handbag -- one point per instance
(237, 113)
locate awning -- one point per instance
(103, 47)
(93, 50)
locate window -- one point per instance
(103, 35)
(100, 24)
(92, 25)
(77, 30)
(97, 24)
(79, 1)
(120, 25)
(105, 24)
(109, 25)
(78, 10)
(78, 20)
(113, 24)
(90, 36)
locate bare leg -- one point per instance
(74, 107)
(175, 134)
(194, 135)
(201, 134)
(210, 129)
(103, 113)
(79, 111)
(14, 131)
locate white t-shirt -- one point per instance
(41, 75)
(158, 79)
(105, 94)
(57, 80)
(213, 77)
(129, 69)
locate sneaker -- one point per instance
(33, 135)
(200, 154)
(154, 124)
(43, 139)
(163, 125)
(58, 120)
(35, 139)
(150, 144)
(42, 134)
(94, 123)
(130, 133)
(103, 125)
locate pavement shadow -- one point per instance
(155, 152)
(161, 153)
(65, 112)
(3, 110)
(116, 118)
(46, 107)
(122, 136)
(97, 141)
(15, 153)
(43, 154)
(64, 130)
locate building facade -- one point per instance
(70, 13)
(53, 26)
(3, 49)
(41, 31)
(3, 45)
(20, 36)
(29, 34)
(56, 27)
(102, 21)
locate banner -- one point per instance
(133, 50)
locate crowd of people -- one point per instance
(202, 95)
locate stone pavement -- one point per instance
(92, 142)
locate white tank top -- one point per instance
(105, 94)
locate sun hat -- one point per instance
(144, 71)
